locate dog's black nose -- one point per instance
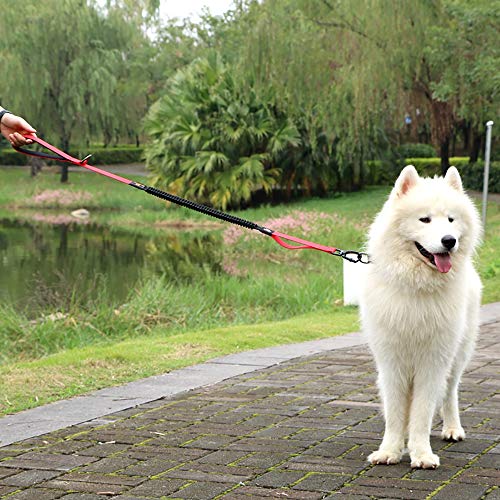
(448, 241)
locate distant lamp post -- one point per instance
(487, 152)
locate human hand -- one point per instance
(14, 127)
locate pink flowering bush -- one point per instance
(300, 222)
(59, 198)
(296, 223)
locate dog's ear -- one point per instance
(453, 179)
(406, 180)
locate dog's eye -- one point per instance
(425, 220)
(450, 219)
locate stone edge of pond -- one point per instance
(78, 410)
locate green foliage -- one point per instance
(360, 66)
(341, 74)
(67, 67)
(81, 370)
(12, 157)
(213, 142)
(464, 57)
(384, 173)
(410, 150)
(114, 155)
(100, 155)
(472, 176)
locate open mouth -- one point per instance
(442, 261)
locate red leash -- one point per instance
(59, 155)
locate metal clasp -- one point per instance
(84, 160)
(353, 256)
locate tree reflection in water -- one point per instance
(43, 264)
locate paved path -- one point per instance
(298, 429)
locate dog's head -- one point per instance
(435, 218)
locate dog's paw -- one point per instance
(426, 460)
(384, 457)
(453, 433)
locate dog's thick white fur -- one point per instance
(420, 309)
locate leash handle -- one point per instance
(59, 155)
(65, 157)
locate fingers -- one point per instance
(15, 129)
(22, 127)
(25, 126)
(17, 140)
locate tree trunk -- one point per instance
(475, 149)
(466, 131)
(442, 131)
(64, 166)
(289, 187)
(36, 165)
(444, 153)
(64, 173)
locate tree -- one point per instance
(464, 51)
(360, 66)
(62, 62)
(214, 142)
(302, 61)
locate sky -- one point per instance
(192, 8)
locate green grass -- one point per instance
(73, 372)
(119, 206)
(271, 296)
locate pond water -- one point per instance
(42, 264)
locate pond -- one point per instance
(41, 264)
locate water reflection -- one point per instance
(40, 264)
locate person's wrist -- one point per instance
(4, 112)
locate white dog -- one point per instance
(420, 309)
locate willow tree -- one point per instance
(138, 25)
(302, 60)
(465, 54)
(359, 66)
(62, 61)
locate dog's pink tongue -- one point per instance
(443, 262)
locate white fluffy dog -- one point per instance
(420, 309)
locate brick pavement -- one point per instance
(299, 430)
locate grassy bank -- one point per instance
(76, 371)
(258, 295)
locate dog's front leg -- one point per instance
(395, 396)
(427, 387)
(452, 428)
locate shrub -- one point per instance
(12, 157)
(384, 173)
(472, 176)
(100, 155)
(415, 150)
(112, 155)
(429, 167)
(215, 143)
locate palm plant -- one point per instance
(214, 140)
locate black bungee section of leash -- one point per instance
(192, 205)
